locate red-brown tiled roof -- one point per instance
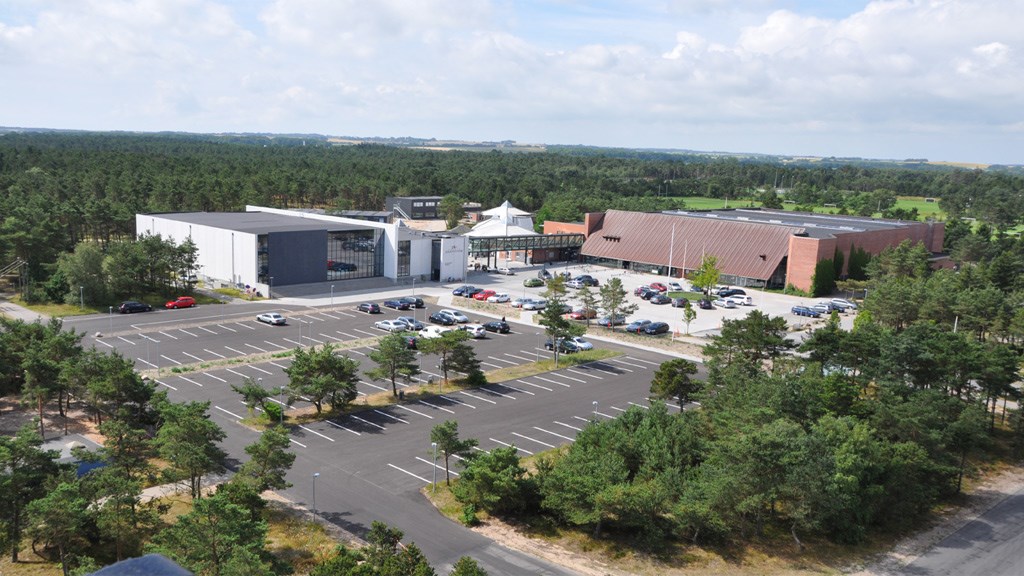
(648, 238)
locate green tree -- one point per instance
(253, 394)
(269, 460)
(445, 347)
(749, 341)
(588, 300)
(966, 434)
(450, 208)
(120, 513)
(689, 315)
(385, 557)
(320, 375)
(58, 520)
(394, 361)
(494, 481)
(23, 470)
(446, 436)
(187, 440)
(467, 566)
(673, 380)
(823, 282)
(83, 271)
(613, 300)
(556, 325)
(706, 276)
(216, 538)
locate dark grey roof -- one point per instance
(148, 565)
(814, 225)
(258, 222)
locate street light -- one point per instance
(111, 316)
(434, 484)
(270, 289)
(315, 476)
(282, 404)
(332, 295)
(595, 410)
(81, 297)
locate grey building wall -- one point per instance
(297, 257)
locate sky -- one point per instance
(892, 79)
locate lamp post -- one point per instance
(81, 297)
(111, 316)
(595, 410)
(282, 405)
(315, 476)
(270, 289)
(332, 295)
(434, 483)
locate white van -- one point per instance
(741, 300)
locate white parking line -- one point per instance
(588, 420)
(239, 352)
(127, 340)
(331, 316)
(553, 381)
(617, 361)
(450, 399)
(364, 421)
(308, 337)
(493, 391)
(616, 408)
(409, 473)
(315, 432)
(437, 407)
(518, 390)
(257, 368)
(520, 357)
(246, 326)
(554, 434)
(168, 335)
(166, 384)
(214, 353)
(191, 380)
(187, 332)
(193, 357)
(414, 411)
(640, 405)
(148, 338)
(358, 352)
(477, 397)
(507, 444)
(365, 332)
(495, 366)
(533, 440)
(608, 415)
(535, 385)
(588, 375)
(207, 329)
(144, 361)
(345, 314)
(236, 373)
(255, 347)
(346, 335)
(277, 345)
(226, 328)
(329, 336)
(288, 340)
(642, 360)
(278, 365)
(226, 412)
(105, 344)
(395, 418)
(503, 360)
(438, 466)
(294, 441)
(563, 375)
(568, 426)
(170, 359)
(372, 385)
(343, 428)
(214, 377)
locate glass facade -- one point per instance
(404, 251)
(355, 254)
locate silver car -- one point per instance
(410, 322)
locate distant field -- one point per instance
(924, 209)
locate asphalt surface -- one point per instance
(373, 464)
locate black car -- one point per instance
(441, 318)
(680, 303)
(587, 279)
(471, 291)
(131, 306)
(413, 301)
(498, 326)
(655, 328)
(564, 346)
(410, 341)
(368, 307)
(705, 304)
(731, 292)
(461, 290)
(396, 304)
(637, 325)
(646, 293)
(660, 299)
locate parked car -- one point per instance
(822, 308)
(442, 319)
(655, 328)
(505, 271)
(461, 290)
(843, 303)
(533, 282)
(583, 313)
(390, 325)
(741, 300)
(368, 307)
(433, 331)
(272, 318)
(396, 304)
(582, 343)
(483, 295)
(413, 301)
(660, 299)
(659, 287)
(724, 303)
(410, 323)
(587, 279)
(472, 292)
(518, 302)
(181, 302)
(609, 321)
(575, 283)
(534, 304)
(498, 326)
(805, 311)
(564, 346)
(411, 341)
(458, 316)
(637, 325)
(131, 306)
(641, 289)
(675, 287)
(731, 292)
(475, 330)
(498, 298)
(680, 303)
(705, 304)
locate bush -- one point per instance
(469, 515)
(273, 412)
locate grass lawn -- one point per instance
(63, 310)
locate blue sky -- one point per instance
(937, 79)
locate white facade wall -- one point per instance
(224, 255)
(454, 257)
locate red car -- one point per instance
(659, 287)
(484, 295)
(181, 302)
(583, 314)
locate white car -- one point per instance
(534, 304)
(575, 283)
(675, 287)
(506, 271)
(724, 303)
(518, 302)
(843, 303)
(741, 300)
(459, 316)
(499, 298)
(391, 325)
(272, 318)
(581, 343)
(434, 331)
(475, 330)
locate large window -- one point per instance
(355, 254)
(403, 257)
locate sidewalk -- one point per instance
(11, 310)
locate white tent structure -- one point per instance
(505, 220)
